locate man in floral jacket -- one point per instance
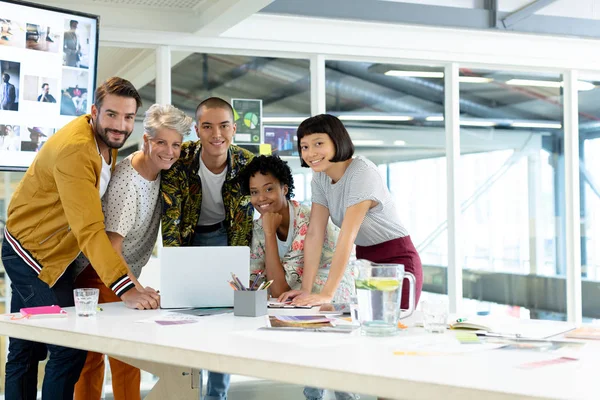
(202, 199)
(203, 204)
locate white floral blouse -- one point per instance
(293, 260)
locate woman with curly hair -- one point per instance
(278, 236)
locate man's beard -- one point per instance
(103, 134)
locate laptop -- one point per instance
(195, 277)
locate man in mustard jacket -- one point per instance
(54, 214)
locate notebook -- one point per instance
(512, 327)
(308, 323)
(471, 324)
(585, 332)
(196, 277)
(43, 312)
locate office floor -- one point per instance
(244, 388)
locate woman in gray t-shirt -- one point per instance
(352, 192)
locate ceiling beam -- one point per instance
(216, 16)
(525, 12)
(430, 15)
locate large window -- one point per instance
(390, 111)
(511, 167)
(589, 153)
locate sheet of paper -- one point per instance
(298, 338)
(171, 319)
(438, 345)
(545, 363)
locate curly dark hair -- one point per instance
(268, 165)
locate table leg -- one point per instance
(174, 382)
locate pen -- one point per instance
(461, 320)
(232, 285)
(515, 336)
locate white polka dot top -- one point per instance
(132, 209)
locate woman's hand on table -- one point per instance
(291, 294)
(312, 300)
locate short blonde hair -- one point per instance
(167, 116)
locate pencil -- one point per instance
(267, 284)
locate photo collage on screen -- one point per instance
(46, 67)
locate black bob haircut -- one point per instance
(268, 165)
(333, 127)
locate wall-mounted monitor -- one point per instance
(48, 62)
(283, 140)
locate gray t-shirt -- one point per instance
(360, 182)
(131, 209)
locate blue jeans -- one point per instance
(65, 364)
(218, 383)
(317, 394)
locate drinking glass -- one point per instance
(86, 301)
(435, 315)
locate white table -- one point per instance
(347, 362)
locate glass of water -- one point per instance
(435, 315)
(379, 294)
(86, 301)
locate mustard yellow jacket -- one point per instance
(55, 211)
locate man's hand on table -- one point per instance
(142, 299)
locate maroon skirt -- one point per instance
(397, 251)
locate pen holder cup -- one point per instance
(249, 303)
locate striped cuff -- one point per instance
(122, 285)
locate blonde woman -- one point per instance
(132, 213)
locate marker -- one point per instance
(461, 320)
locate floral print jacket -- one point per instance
(293, 260)
(181, 193)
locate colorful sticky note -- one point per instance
(467, 338)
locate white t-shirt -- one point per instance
(132, 209)
(212, 210)
(361, 181)
(104, 174)
(284, 247)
